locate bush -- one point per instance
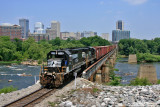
(158, 82)
(7, 89)
(116, 81)
(140, 81)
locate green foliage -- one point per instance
(7, 49)
(52, 104)
(140, 81)
(7, 89)
(158, 82)
(147, 57)
(115, 69)
(94, 41)
(29, 49)
(143, 48)
(96, 90)
(115, 82)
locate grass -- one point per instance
(140, 82)
(158, 82)
(7, 89)
(115, 69)
(52, 104)
(96, 90)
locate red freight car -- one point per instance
(102, 50)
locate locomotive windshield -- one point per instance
(57, 59)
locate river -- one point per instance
(13, 72)
(129, 71)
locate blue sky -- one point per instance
(141, 17)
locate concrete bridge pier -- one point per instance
(98, 77)
(111, 61)
(92, 78)
(105, 73)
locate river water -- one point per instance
(129, 71)
(13, 72)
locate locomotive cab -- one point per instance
(56, 60)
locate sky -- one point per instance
(141, 17)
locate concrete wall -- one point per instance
(148, 71)
(132, 58)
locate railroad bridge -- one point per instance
(99, 71)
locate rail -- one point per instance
(31, 99)
(90, 70)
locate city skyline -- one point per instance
(140, 16)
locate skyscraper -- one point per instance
(120, 25)
(39, 28)
(120, 33)
(54, 31)
(24, 23)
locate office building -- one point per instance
(13, 31)
(88, 34)
(71, 35)
(39, 37)
(39, 28)
(105, 36)
(24, 23)
(120, 25)
(120, 33)
(54, 30)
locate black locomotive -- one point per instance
(61, 64)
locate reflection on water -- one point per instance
(129, 71)
(22, 75)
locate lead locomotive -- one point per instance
(61, 65)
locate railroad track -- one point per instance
(32, 99)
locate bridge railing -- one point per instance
(90, 70)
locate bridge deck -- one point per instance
(90, 70)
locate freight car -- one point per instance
(62, 64)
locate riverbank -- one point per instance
(147, 57)
(29, 62)
(10, 62)
(10, 97)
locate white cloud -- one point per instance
(135, 2)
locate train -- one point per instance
(63, 63)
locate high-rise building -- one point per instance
(24, 23)
(105, 36)
(13, 31)
(120, 33)
(54, 31)
(120, 25)
(39, 28)
(88, 34)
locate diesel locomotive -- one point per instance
(62, 64)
